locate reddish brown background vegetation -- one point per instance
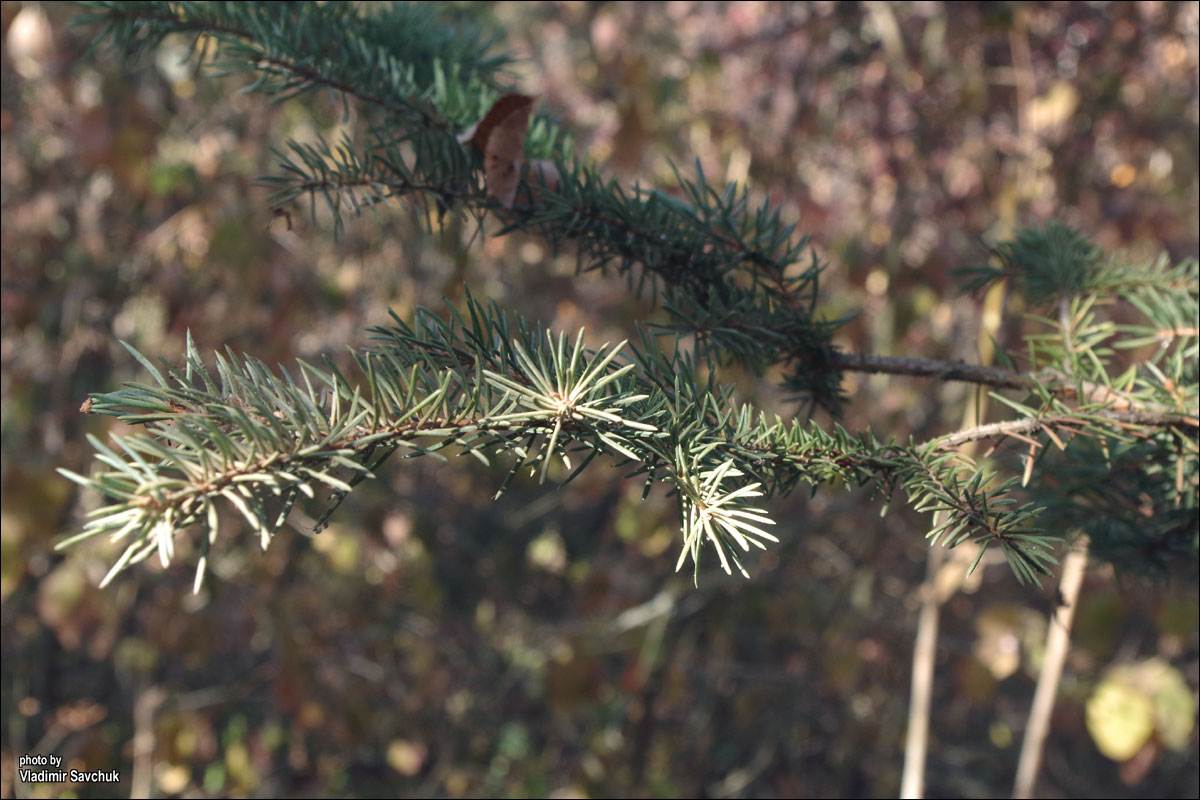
(434, 642)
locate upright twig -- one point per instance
(916, 743)
(1058, 639)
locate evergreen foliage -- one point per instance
(1099, 440)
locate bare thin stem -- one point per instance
(916, 745)
(1057, 643)
(145, 709)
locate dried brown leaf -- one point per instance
(479, 133)
(500, 136)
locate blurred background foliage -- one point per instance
(435, 642)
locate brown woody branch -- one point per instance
(1019, 427)
(1057, 383)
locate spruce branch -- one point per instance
(735, 278)
(706, 245)
(971, 503)
(259, 440)
(290, 45)
(486, 383)
(1056, 261)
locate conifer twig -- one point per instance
(737, 284)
